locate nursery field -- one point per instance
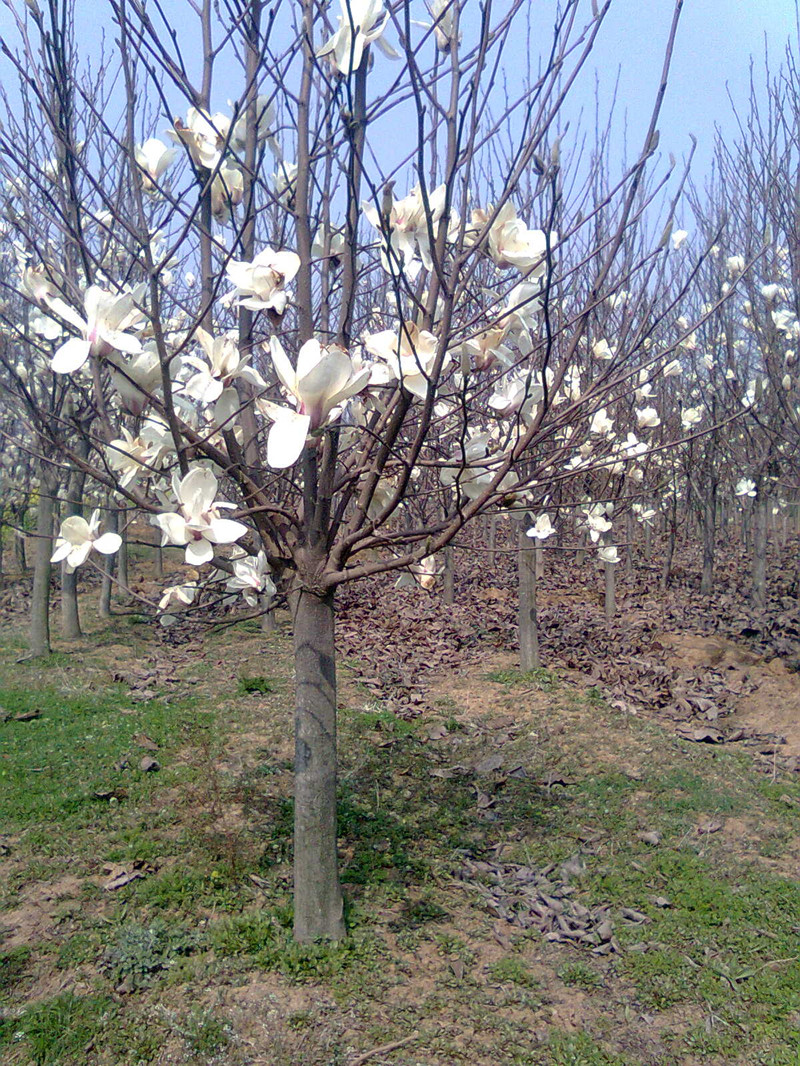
(591, 864)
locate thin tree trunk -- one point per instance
(158, 561)
(448, 585)
(709, 539)
(629, 532)
(108, 570)
(492, 540)
(760, 522)
(70, 614)
(19, 544)
(123, 560)
(666, 570)
(528, 628)
(610, 588)
(40, 598)
(2, 576)
(318, 905)
(268, 621)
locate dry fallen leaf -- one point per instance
(709, 827)
(651, 837)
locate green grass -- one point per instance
(214, 912)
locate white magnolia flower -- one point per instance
(260, 284)
(745, 487)
(691, 416)
(408, 358)
(203, 135)
(198, 524)
(109, 315)
(323, 380)
(647, 418)
(182, 593)
(679, 238)
(785, 320)
(46, 327)
(771, 292)
(129, 456)
(443, 12)
(407, 223)
(735, 264)
(153, 157)
(265, 116)
(284, 182)
(511, 243)
(541, 529)
(601, 423)
(360, 23)
(597, 521)
(136, 379)
(224, 366)
(227, 192)
(251, 577)
(77, 537)
(672, 369)
(608, 553)
(602, 350)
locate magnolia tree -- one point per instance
(318, 303)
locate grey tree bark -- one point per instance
(759, 572)
(318, 904)
(108, 569)
(70, 614)
(528, 627)
(40, 598)
(709, 517)
(448, 577)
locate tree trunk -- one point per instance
(629, 533)
(610, 590)
(760, 521)
(528, 628)
(666, 570)
(19, 543)
(40, 598)
(709, 538)
(448, 584)
(158, 561)
(123, 576)
(492, 540)
(318, 905)
(108, 570)
(70, 615)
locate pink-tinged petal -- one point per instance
(197, 491)
(199, 552)
(70, 356)
(225, 531)
(173, 526)
(108, 543)
(283, 368)
(287, 438)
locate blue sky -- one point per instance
(715, 42)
